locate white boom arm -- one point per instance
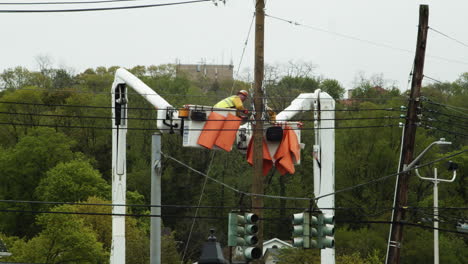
(324, 149)
(119, 146)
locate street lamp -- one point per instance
(406, 168)
(452, 167)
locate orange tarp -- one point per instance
(288, 152)
(228, 133)
(267, 161)
(211, 130)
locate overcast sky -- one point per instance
(201, 31)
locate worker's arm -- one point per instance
(238, 103)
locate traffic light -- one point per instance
(251, 239)
(242, 231)
(236, 230)
(302, 230)
(325, 231)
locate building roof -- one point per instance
(277, 240)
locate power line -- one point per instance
(427, 77)
(66, 3)
(101, 8)
(449, 107)
(214, 218)
(447, 36)
(243, 51)
(156, 119)
(218, 206)
(402, 223)
(232, 188)
(447, 131)
(462, 126)
(339, 34)
(360, 39)
(72, 90)
(390, 175)
(171, 129)
(444, 114)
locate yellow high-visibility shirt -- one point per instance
(233, 101)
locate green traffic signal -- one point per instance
(302, 230)
(236, 230)
(325, 231)
(242, 231)
(251, 239)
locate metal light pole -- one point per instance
(436, 181)
(405, 169)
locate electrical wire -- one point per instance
(204, 108)
(360, 39)
(339, 34)
(206, 95)
(156, 119)
(199, 202)
(67, 3)
(430, 78)
(390, 175)
(447, 131)
(447, 36)
(217, 206)
(243, 51)
(100, 8)
(449, 107)
(452, 124)
(219, 218)
(444, 114)
(172, 130)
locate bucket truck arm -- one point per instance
(166, 122)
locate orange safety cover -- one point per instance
(211, 129)
(267, 162)
(228, 133)
(288, 152)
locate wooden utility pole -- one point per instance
(409, 138)
(257, 183)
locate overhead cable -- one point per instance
(100, 8)
(156, 119)
(184, 206)
(217, 218)
(205, 108)
(243, 51)
(391, 175)
(361, 40)
(67, 3)
(447, 36)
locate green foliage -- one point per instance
(72, 181)
(63, 239)
(295, 255)
(356, 258)
(333, 88)
(71, 161)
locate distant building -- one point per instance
(202, 72)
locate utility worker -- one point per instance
(234, 101)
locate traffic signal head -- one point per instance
(236, 230)
(251, 239)
(302, 230)
(326, 231)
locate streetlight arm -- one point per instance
(415, 161)
(439, 180)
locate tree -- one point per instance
(64, 239)
(333, 88)
(16, 78)
(23, 166)
(72, 181)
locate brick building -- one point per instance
(201, 72)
